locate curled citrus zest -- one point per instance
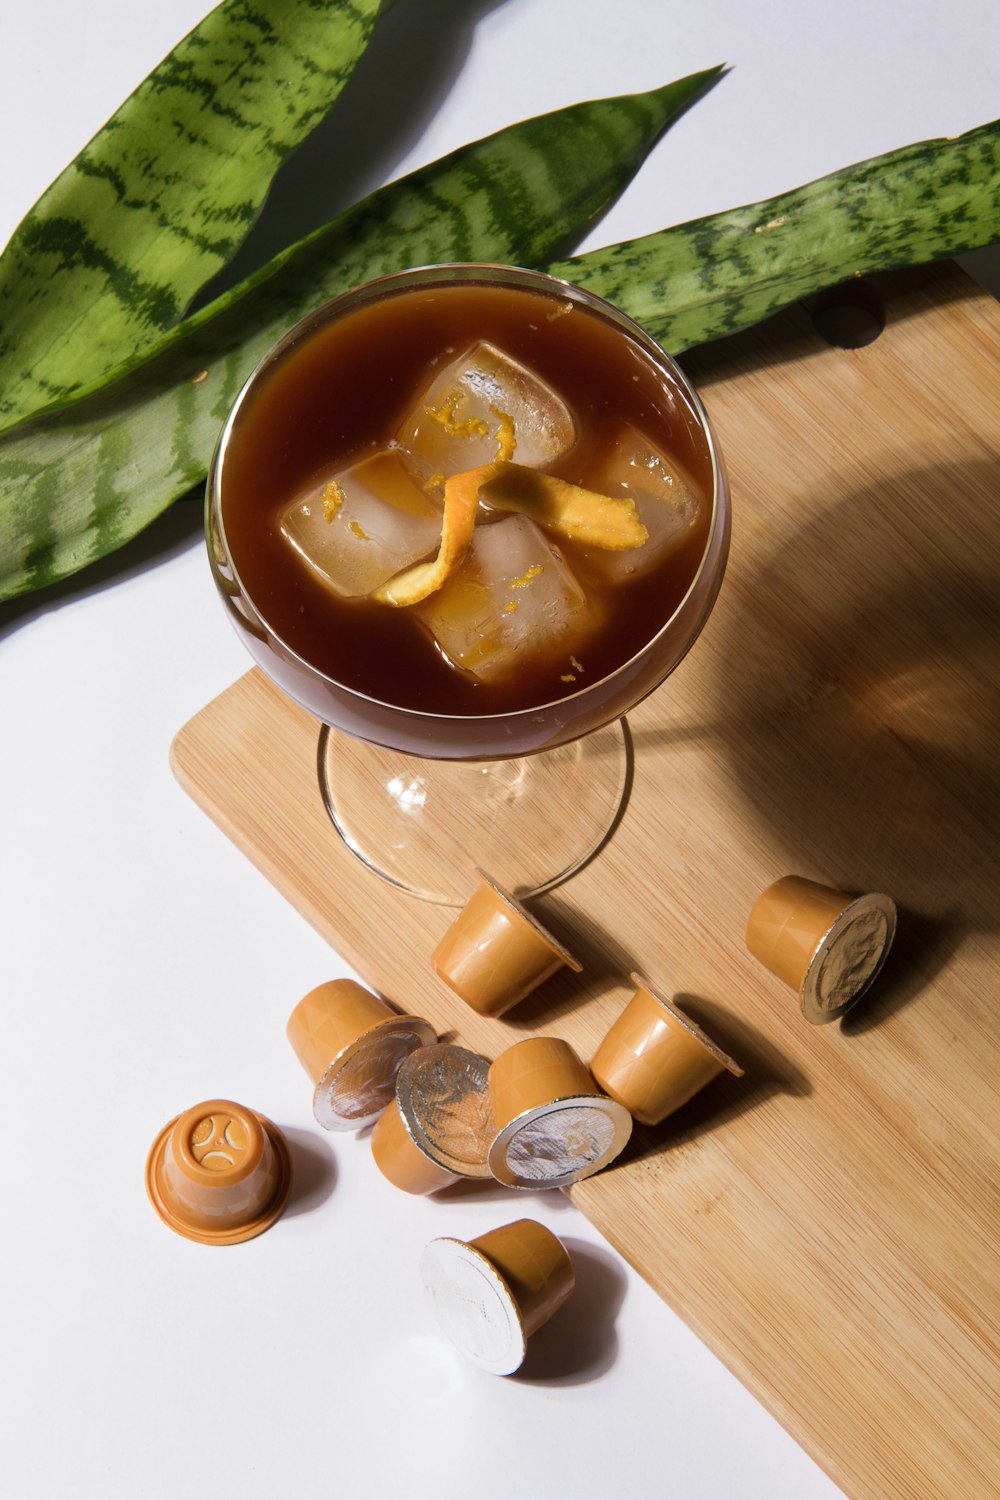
(569, 510)
(461, 498)
(445, 416)
(506, 436)
(566, 509)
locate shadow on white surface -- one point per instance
(385, 107)
(517, 1203)
(314, 1171)
(580, 1343)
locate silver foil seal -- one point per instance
(443, 1096)
(560, 1143)
(848, 957)
(474, 1306)
(361, 1080)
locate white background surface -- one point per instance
(147, 966)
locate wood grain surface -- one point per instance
(828, 1224)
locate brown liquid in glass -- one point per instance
(343, 391)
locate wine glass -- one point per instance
(429, 773)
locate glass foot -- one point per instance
(427, 825)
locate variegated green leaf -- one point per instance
(716, 275)
(113, 252)
(78, 483)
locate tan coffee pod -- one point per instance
(492, 1294)
(219, 1173)
(554, 1126)
(352, 1045)
(654, 1058)
(403, 1161)
(443, 1097)
(495, 952)
(826, 944)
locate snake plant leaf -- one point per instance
(114, 251)
(714, 276)
(81, 480)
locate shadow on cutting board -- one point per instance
(807, 329)
(856, 678)
(766, 1072)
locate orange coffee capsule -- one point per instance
(491, 1294)
(554, 1125)
(403, 1161)
(655, 1058)
(495, 952)
(219, 1173)
(352, 1045)
(827, 945)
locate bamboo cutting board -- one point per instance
(828, 1224)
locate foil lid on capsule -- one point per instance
(491, 1294)
(825, 944)
(443, 1096)
(352, 1045)
(554, 1126)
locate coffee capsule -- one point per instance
(352, 1045)
(402, 1160)
(827, 945)
(495, 952)
(655, 1058)
(554, 1125)
(443, 1097)
(219, 1173)
(491, 1294)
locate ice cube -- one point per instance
(667, 501)
(456, 422)
(358, 526)
(512, 600)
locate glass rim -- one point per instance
(473, 272)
